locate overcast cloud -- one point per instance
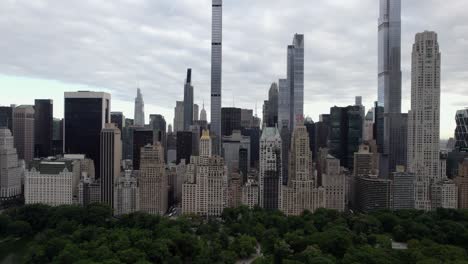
(121, 43)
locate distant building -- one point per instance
(461, 132)
(43, 128)
(250, 192)
(6, 117)
(89, 191)
(461, 182)
(270, 107)
(23, 131)
(334, 183)
(111, 157)
(270, 178)
(234, 190)
(153, 184)
(118, 119)
(231, 147)
(246, 118)
(444, 194)
(158, 124)
(365, 162)
(49, 183)
(86, 114)
(179, 116)
(230, 120)
(10, 170)
(127, 195)
(203, 114)
(188, 101)
(295, 71)
(196, 112)
(139, 110)
(373, 193)
(403, 188)
(184, 146)
(141, 138)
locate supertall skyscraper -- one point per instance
(216, 70)
(296, 79)
(188, 101)
(424, 117)
(389, 68)
(86, 114)
(139, 109)
(111, 157)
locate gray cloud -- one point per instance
(117, 44)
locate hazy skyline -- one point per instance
(52, 47)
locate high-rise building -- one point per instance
(444, 194)
(389, 56)
(270, 177)
(403, 184)
(284, 104)
(43, 128)
(379, 122)
(270, 108)
(234, 190)
(23, 131)
(345, 133)
(322, 131)
(246, 118)
(333, 181)
(250, 192)
(462, 183)
(295, 73)
(153, 182)
(139, 110)
(205, 191)
(230, 120)
(368, 133)
(461, 132)
(231, 148)
(216, 70)
(111, 158)
(196, 110)
(141, 138)
(373, 193)
(10, 171)
(6, 117)
(424, 117)
(158, 124)
(127, 194)
(188, 101)
(396, 124)
(254, 133)
(49, 183)
(184, 146)
(179, 116)
(302, 191)
(118, 119)
(86, 114)
(89, 191)
(366, 162)
(203, 113)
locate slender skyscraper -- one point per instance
(139, 109)
(23, 131)
(188, 101)
(424, 117)
(43, 127)
(111, 157)
(389, 68)
(216, 70)
(296, 79)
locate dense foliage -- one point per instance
(72, 234)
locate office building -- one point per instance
(6, 117)
(141, 138)
(216, 71)
(295, 71)
(322, 131)
(461, 132)
(270, 107)
(302, 191)
(184, 146)
(188, 101)
(111, 158)
(234, 190)
(203, 113)
(139, 120)
(230, 120)
(403, 188)
(246, 118)
(368, 133)
(205, 191)
(179, 116)
(444, 194)
(461, 182)
(10, 170)
(244, 163)
(372, 193)
(196, 110)
(254, 133)
(284, 104)
(127, 194)
(250, 191)
(270, 177)
(44, 176)
(366, 162)
(231, 150)
(43, 128)
(118, 119)
(23, 131)
(86, 114)
(158, 124)
(334, 182)
(153, 183)
(171, 148)
(424, 117)
(89, 191)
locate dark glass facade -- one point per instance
(118, 119)
(43, 128)
(158, 124)
(83, 125)
(230, 120)
(141, 138)
(184, 146)
(6, 117)
(254, 134)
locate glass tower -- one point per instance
(216, 69)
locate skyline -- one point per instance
(252, 70)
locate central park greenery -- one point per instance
(73, 234)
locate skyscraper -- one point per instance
(86, 114)
(216, 70)
(23, 131)
(141, 138)
(139, 109)
(461, 132)
(6, 117)
(196, 112)
(203, 114)
(270, 107)
(424, 117)
(296, 78)
(270, 177)
(43, 128)
(111, 157)
(10, 171)
(188, 101)
(158, 124)
(179, 116)
(118, 119)
(230, 120)
(389, 57)
(284, 104)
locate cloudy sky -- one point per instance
(48, 47)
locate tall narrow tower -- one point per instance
(216, 70)
(111, 156)
(139, 110)
(424, 117)
(188, 101)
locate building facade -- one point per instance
(270, 177)
(216, 70)
(188, 101)
(111, 158)
(139, 118)
(127, 194)
(295, 72)
(461, 132)
(43, 128)
(10, 171)
(23, 131)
